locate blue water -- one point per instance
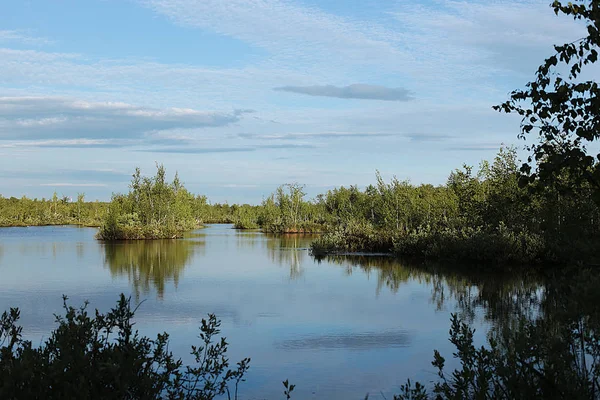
(338, 329)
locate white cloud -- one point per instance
(293, 32)
(311, 135)
(64, 118)
(503, 35)
(354, 91)
(22, 37)
(445, 50)
(71, 184)
(73, 143)
(450, 53)
(238, 185)
(144, 82)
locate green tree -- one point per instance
(80, 206)
(153, 209)
(563, 109)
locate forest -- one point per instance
(55, 211)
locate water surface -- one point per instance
(337, 328)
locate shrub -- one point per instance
(539, 360)
(354, 236)
(101, 356)
(153, 209)
(472, 244)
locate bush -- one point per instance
(245, 223)
(472, 244)
(101, 356)
(354, 236)
(153, 209)
(539, 360)
(467, 244)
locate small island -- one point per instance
(153, 209)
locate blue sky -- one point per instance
(240, 96)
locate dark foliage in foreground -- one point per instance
(552, 354)
(101, 356)
(533, 363)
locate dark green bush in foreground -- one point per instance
(533, 363)
(550, 353)
(100, 356)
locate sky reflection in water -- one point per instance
(338, 328)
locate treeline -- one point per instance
(285, 211)
(63, 210)
(482, 215)
(54, 211)
(66, 211)
(488, 214)
(478, 215)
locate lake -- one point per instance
(337, 328)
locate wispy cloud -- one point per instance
(286, 146)
(284, 28)
(355, 91)
(437, 47)
(197, 150)
(15, 36)
(496, 34)
(207, 150)
(74, 184)
(79, 176)
(425, 137)
(68, 143)
(63, 118)
(354, 341)
(477, 147)
(237, 185)
(308, 135)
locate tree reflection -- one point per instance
(289, 250)
(80, 251)
(540, 324)
(502, 298)
(553, 352)
(149, 263)
(249, 239)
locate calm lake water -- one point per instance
(338, 328)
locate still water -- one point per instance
(337, 328)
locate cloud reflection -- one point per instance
(351, 341)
